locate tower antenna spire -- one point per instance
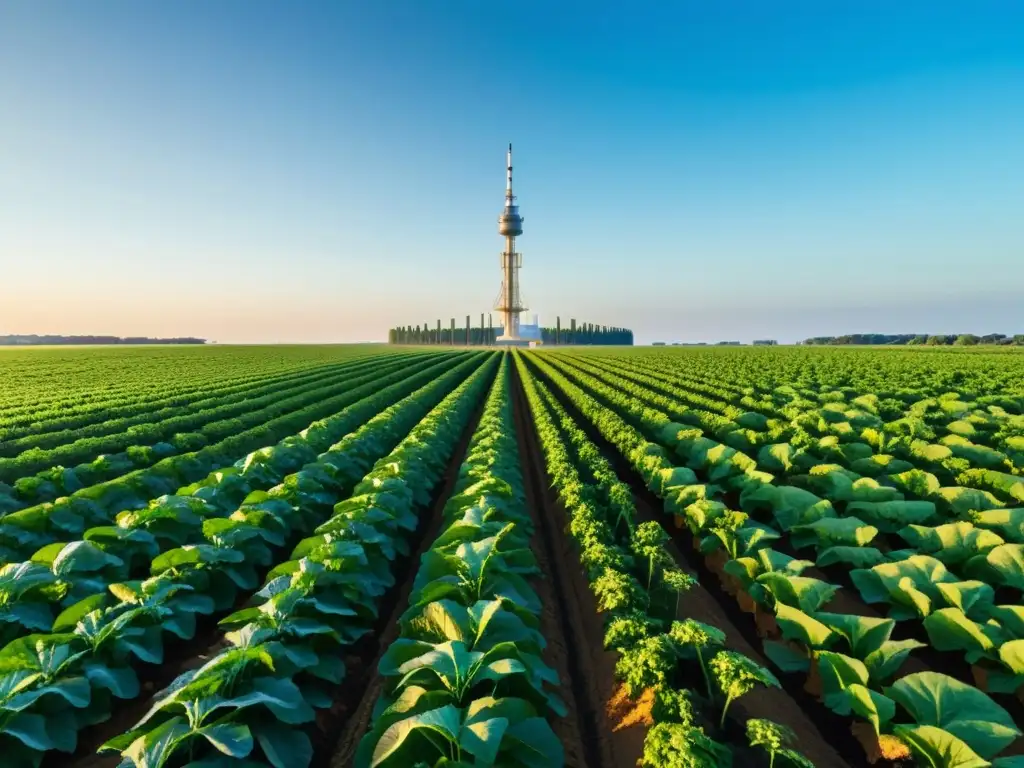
(510, 226)
(508, 182)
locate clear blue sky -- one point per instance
(269, 171)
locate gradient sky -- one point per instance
(266, 171)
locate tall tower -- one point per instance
(510, 225)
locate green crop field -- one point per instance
(230, 557)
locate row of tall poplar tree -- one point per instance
(481, 335)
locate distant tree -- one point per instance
(992, 338)
(966, 340)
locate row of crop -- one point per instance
(98, 642)
(125, 386)
(465, 681)
(44, 420)
(150, 422)
(283, 659)
(101, 501)
(810, 452)
(836, 526)
(656, 650)
(850, 657)
(890, 400)
(188, 431)
(738, 548)
(62, 573)
(999, 433)
(857, 425)
(906, 374)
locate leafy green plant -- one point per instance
(490, 731)
(696, 638)
(618, 592)
(626, 631)
(671, 745)
(678, 581)
(777, 741)
(648, 542)
(951, 719)
(647, 664)
(737, 675)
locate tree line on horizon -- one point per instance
(36, 340)
(920, 339)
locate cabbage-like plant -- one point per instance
(242, 696)
(950, 718)
(472, 570)
(453, 669)
(488, 731)
(480, 626)
(868, 639)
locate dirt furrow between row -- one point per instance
(591, 733)
(342, 727)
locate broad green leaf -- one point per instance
(833, 531)
(886, 660)
(534, 744)
(864, 702)
(1010, 618)
(1012, 655)
(786, 656)
(939, 747)
(951, 543)
(1009, 523)
(232, 739)
(967, 713)
(29, 729)
(890, 516)
(797, 625)
(972, 597)
(482, 739)
(805, 593)
(154, 748)
(916, 482)
(963, 501)
(859, 557)
(839, 671)
(284, 747)
(122, 682)
(863, 634)
(444, 722)
(1002, 565)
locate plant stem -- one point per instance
(725, 709)
(704, 671)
